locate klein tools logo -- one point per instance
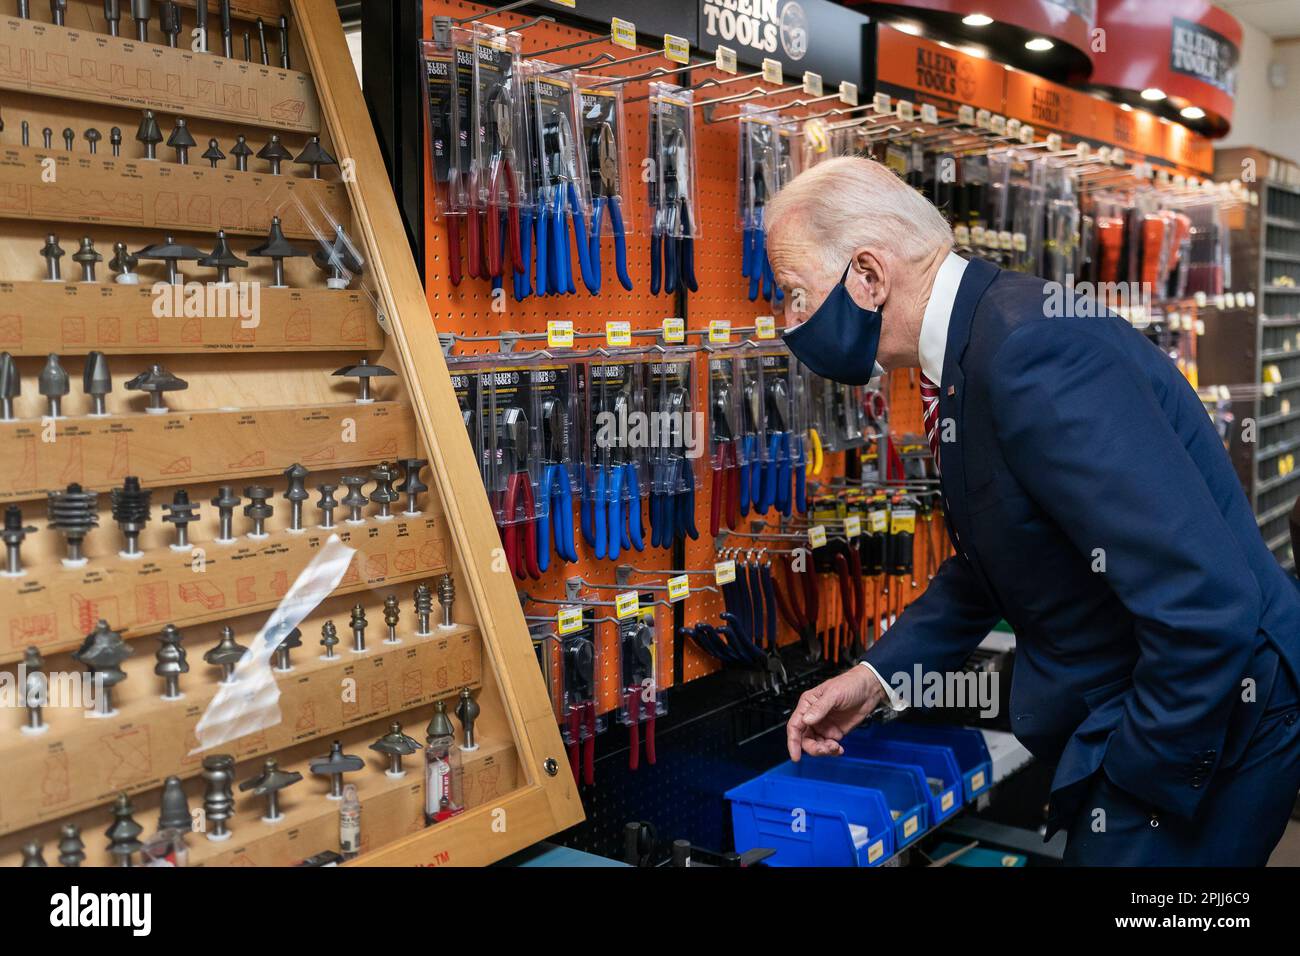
(760, 25)
(75, 909)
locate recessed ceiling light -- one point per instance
(1039, 44)
(1192, 113)
(1126, 108)
(977, 20)
(1152, 94)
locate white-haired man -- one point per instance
(1091, 505)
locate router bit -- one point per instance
(156, 381)
(181, 140)
(467, 711)
(97, 382)
(338, 259)
(92, 137)
(411, 485)
(72, 850)
(263, 55)
(87, 258)
(32, 854)
(276, 248)
(170, 252)
(23, 10)
(355, 500)
(227, 48)
(130, 509)
(113, 14)
(102, 653)
(334, 765)
(115, 140)
(180, 511)
(123, 264)
(222, 258)
(213, 153)
(446, 598)
(395, 745)
(201, 25)
(140, 14)
(170, 661)
(392, 614)
(26, 133)
(315, 156)
(326, 505)
(218, 796)
(174, 807)
(47, 137)
(258, 509)
(52, 252)
(284, 42)
(289, 642)
(423, 609)
(358, 629)
(268, 784)
(296, 493)
(12, 534)
(73, 512)
(53, 384)
(363, 372)
(225, 502)
(58, 11)
(248, 48)
(226, 654)
(241, 151)
(35, 691)
(274, 153)
(11, 386)
(329, 636)
(124, 833)
(169, 21)
(440, 724)
(69, 137)
(383, 495)
(149, 134)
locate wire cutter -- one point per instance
(563, 163)
(518, 506)
(603, 158)
(579, 689)
(556, 507)
(777, 468)
(725, 492)
(502, 179)
(679, 231)
(800, 614)
(624, 490)
(751, 469)
(638, 677)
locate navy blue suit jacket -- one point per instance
(1092, 506)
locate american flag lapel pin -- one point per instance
(952, 390)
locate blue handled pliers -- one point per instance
(562, 169)
(604, 161)
(556, 499)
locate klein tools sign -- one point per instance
(1205, 54)
(764, 26)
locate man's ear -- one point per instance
(872, 276)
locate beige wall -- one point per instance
(1263, 116)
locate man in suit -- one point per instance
(1090, 504)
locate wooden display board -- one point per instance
(258, 398)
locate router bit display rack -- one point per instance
(93, 150)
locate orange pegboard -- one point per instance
(468, 309)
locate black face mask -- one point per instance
(839, 341)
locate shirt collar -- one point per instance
(938, 315)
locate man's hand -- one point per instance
(829, 711)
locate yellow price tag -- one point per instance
(571, 4)
(910, 826)
(719, 331)
(622, 33)
(977, 781)
(569, 620)
(677, 49)
(674, 331)
(724, 572)
(679, 588)
(765, 326)
(559, 334)
(817, 536)
(902, 519)
(946, 802)
(875, 851)
(618, 333)
(877, 521)
(852, 526)
(625, 605)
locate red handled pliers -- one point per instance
(519, 507)
(638, 676)
(503, 178)
(579, 691)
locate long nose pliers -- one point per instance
(605, 190)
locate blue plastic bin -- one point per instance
(808, 823)
(966, 743)
(938, 764)
(904, 788)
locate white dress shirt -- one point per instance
(931, 348)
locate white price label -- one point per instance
(852, 526)
(928, 113)
(905, 110)
(724, 572)
(966, 115)
(765, 326)
(817, 536)
(772, 71)
(812, 83)
(880, 103)
(848, 93)
(724, 59)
